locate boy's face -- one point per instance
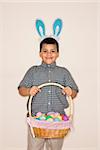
(49, 53)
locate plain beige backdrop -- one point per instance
(19, 44)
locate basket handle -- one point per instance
(68, 111)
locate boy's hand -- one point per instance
(67, 90)
(34, 90)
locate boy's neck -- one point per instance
(49, 65)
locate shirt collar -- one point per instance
(48, 66)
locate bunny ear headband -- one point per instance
(57, 26)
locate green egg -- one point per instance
(48, 117)
(42, 118)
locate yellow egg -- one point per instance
(50, 119)
(59, 117)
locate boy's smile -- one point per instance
(49, 53)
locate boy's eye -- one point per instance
(44, 51)
(53, 51)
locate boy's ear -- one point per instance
(40, 54)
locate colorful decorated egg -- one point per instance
(65, 118)
(48, 117)
(50, 113)
(38, 114)
(57, 119)
(37, 118)
(42, 117)
(57, 114)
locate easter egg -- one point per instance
(57, 114)
(50, 113)
(65, 118)
(32, 115)
(42, 118)
(62, 115)
(39, 114)
(48, 117)
(37, 118)
(57, 119)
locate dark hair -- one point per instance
(49, 40)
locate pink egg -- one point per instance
(65, 118)
(57, 114)
(38, 114)
(50, 113)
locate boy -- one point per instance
(50, 98)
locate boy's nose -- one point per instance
(49, 53)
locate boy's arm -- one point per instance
(74, 94)
(71, 88)
(70, 92)
(23, 91)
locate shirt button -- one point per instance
(49, 80)
(49, 91)
(49, 71)
(48, 65)
(48, 103)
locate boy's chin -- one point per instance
(49, 62)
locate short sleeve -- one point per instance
(28, 79)
(69, 81)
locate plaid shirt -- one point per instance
(50, 98)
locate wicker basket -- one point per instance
(50, 133)
(51, 130)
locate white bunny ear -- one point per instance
(40, 27)
(57, 26)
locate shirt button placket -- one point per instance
(49, 91)
(49, 99)
(49, 76)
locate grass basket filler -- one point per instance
(52, 124)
